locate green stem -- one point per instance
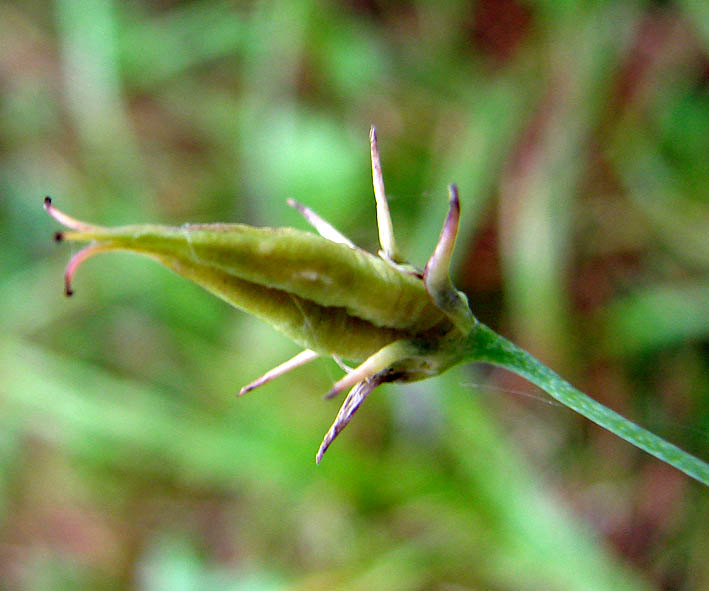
(486, 345)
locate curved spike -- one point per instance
(325, 229)
(386, 356)
(436, 275)
(386, 228)
(349, 407)
(300, 359)
(437, 271)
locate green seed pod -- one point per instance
(310, 288)
(323, 292)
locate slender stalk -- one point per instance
(486, 345)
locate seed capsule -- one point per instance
(326, 294)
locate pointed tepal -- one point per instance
(436, 275)
(386, 228)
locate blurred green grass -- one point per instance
(577, 135)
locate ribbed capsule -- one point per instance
(308, 287)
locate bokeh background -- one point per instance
(577, 133)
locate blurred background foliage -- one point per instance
(577, 133)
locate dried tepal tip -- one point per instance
(326, 294)
(334, 299)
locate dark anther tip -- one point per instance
(47, 202)
(68, 292)
(58, 236)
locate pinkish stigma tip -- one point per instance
(66, 220)
(79, 258)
